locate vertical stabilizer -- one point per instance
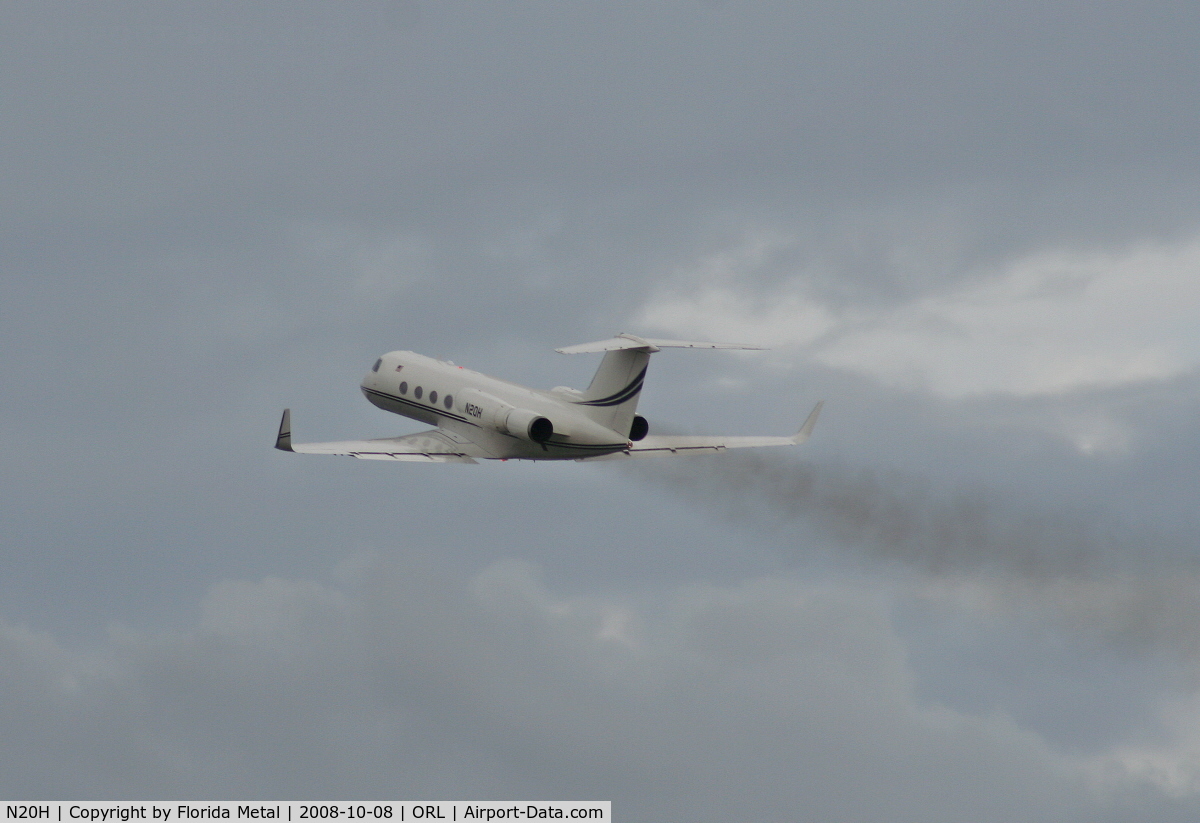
(611, 399)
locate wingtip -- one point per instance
(283, 440)
(809, 423)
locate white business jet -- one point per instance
(483, 417)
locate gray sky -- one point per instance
(971, 228)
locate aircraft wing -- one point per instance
(433, 446)
(672, 445)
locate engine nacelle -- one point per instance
(529, 425)
(488, 410)
(639, 429)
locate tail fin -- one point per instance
(611, 399)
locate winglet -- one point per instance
(283, 440)
(806, 430)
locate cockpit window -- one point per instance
(378, 363)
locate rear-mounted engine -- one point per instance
(529, 425)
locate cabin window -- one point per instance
(433, 397)
(417, 391)
(378, 363)
(449, 401)
(404, 388)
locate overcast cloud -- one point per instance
(971, 229)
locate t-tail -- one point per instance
(612, 397)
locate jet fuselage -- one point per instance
(507, 420)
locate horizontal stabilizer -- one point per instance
(632, 341)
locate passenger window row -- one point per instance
(447, 401)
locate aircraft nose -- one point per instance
(368, 380)
(368, 385)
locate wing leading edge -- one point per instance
(672, 445)
(433, 446)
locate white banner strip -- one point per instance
(350, 812)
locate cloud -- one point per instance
(400, 678)
(1045, 615)
(1172, 764)
(1142, 613)
(1146, 620)
(904, 518)
(1044, 323)
(216, 216)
